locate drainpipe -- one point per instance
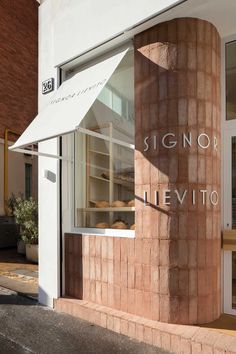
(7, 131)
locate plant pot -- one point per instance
(21, 249)
(32, 253)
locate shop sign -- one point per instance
(186, 140)
(168, 196)
(48, 86)
(78, 93)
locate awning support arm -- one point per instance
(105, 137)
(37, 153)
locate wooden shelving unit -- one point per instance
(115, 181)
(101, 158)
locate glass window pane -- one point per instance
(233, 182)
(231, 80)
(106, 96)
(28, 180)
(234, 280)
(104, 156)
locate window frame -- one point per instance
(127, 233)
(28, 179)
(227, 42)
(227, 128)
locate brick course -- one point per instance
(179, 339)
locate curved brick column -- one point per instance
(177, 91)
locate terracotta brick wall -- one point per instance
(18, 64)
(171, 270)
(177, 81)
(117, 272)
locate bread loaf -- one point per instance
(101, 204)
(118, 204)
(132, 227)
(131, 203)
(102, 225)
(119, 225)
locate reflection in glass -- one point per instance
(104, 156)
(231, 80)
(234, 182)
(234, 280)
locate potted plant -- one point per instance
(11, 203)
(26, 214)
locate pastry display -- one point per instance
(122, 176)
(131, 203)
(105, 175)
(118, 204)
(109, 173)
(132, 227)
(101, 204)
(102, 225)
(118, 224)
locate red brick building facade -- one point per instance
(18, 63)
(18, 91)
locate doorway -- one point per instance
(229, 233)
(229, 180)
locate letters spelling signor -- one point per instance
(169, 141)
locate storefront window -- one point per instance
(234, 182)
(104, 156)
(234, 280)
(231, 80)
(28, 180)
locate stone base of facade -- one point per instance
(174, 338)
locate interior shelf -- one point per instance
(99, 152)
(114, 209)
(116, 181)
(100, 178)
(115, 157)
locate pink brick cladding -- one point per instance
(177, 90)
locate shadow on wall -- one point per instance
(173, 161)
(74, 284)
(177, 161)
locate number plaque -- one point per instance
(47, 86)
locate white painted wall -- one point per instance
(48, 191)
(81, 25)
(48, 226)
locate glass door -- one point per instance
(229, 180)
(229, 213)
(233, 201)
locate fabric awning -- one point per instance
(70, 103)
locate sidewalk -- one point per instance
(26, 327)
(225, 324)
(17, 274)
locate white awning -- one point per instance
(70, 103)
